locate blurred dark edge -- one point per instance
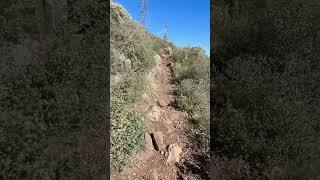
(54, 89)
(264, 90)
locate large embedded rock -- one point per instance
(173, 116)
(157, 59)
(158, 140)
(174, 153)
(152, 74)
(162, 102)
(149, 144)
(153, 113)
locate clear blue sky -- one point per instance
(188, 20)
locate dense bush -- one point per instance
(267, 56)
(127, 133)
(191, 69)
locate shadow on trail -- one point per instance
(174, 104)
(197, 161)
(195, 168)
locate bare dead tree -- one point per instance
(165, 32)
(143, 11)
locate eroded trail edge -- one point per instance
(173, 142)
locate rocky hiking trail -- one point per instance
(173, 149)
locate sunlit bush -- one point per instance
(191, 69)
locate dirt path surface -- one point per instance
(170, 136)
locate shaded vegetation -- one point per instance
(50, 99)
(266, 54)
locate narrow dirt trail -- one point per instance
(174, 129)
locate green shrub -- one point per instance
(191, 69)
(131, 88)
(157, 44)
(127, 134)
